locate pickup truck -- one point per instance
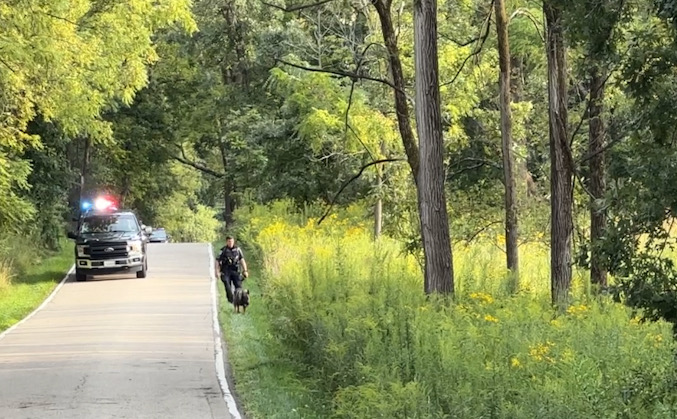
(109, 242)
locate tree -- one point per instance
(511, 225)
(561, 162)
(431, 200)
(69, 62)
(439, 275)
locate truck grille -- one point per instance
(107, 250)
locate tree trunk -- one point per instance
(517, 91)
(86, 157)
(229, 202)
(378, 209)
(228, 187)
(561, 170)
(516, 78)
(511, 227)
(235, 35)
(432, 200)
(598, 274)
(401, 105)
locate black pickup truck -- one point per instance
(109, 242)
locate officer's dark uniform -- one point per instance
(229, 261)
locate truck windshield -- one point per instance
(109, 223)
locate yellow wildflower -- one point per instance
(515, 363)
(578, 310)
(482, 297)
(541, 351)
(490, 318)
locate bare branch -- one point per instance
(61, 18)
(297, 7)
(477, 50)
(580, 181)
(468, 240)
(350, 103)
(461, 43)
(199, 167)
(531, 17)
(600, 150)
(587, 107)
(350, 127)
(351, 180)
(185, 160)
(341, 73)
(325, 157)
(478, 163)
(467, 169)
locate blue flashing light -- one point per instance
(86, 205)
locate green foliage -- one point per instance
(187, 225)
(65, 63)
(182, 216)
(353, 312)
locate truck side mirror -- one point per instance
(72, 235)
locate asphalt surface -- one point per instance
(120, 347)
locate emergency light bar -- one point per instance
(100, 204)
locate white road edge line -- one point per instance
(218, 345)
(41, 306)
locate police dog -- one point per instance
(240, 299)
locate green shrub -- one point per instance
(187, 225)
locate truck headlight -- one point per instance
(82, 250)
(134, 246)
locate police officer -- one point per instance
(228, 267)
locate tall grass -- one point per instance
(353, 312)
(6, 275)
(27, 275)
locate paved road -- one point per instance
(119, 347)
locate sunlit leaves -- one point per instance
(69, 61)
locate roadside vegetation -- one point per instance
(28, 277)
(344, 315)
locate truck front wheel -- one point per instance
(80, 276)
(143, 272)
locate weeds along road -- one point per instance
(121, 347)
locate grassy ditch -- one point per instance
(267, 382)
(22, 290)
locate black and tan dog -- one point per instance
(241, 299)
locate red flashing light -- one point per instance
(103, 203)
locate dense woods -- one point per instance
(525, 131)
